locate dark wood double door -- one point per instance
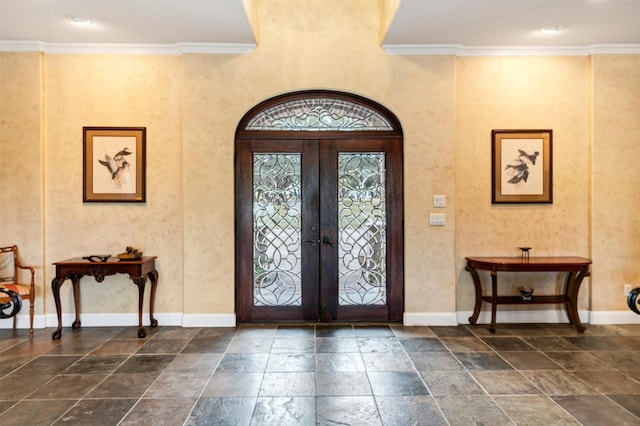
(319, 227)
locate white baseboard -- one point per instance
(39, 321)
(209, 320)
(409, 319)
(177, 319)
(510, 316)
(548, 316)
(114, 319)
(614, 317)
(429, 318)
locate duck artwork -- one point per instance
(118, 166)
(520, 166)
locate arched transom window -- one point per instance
(319, 114)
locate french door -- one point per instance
(319, 229)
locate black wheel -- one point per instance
(13, 303)
(142, 333)
(633, 301)
(56, 335)
(154, 323)
(76, 324)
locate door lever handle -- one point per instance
(312, 242)
(326, 242)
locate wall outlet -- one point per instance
(627, 289)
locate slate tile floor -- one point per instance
(308, 374)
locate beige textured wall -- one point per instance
(315, 44)
(616, 176)
(115, 90)
(522, 93)
(21, 162)
(191, 105)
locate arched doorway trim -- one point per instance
(319, 110)
(319, 210)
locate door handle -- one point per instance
(326, 242)
(312, 242)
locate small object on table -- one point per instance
(130, 254)
(524, 252)
(526, 294)
(97, 257)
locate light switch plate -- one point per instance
(437, 219)
(439, 201)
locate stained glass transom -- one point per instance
(276, 241)
(362, 274)
(319, 114)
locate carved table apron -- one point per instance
(577, 268)
(76, 268)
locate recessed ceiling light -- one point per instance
(78, 20)
(550, 29)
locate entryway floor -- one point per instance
(310, 374)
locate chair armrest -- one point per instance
(30, 269)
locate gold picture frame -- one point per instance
(114, 164)
(521, 166)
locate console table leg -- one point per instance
(153, 277)
(478, 304)
(55, 289)
(572, 289)
(494, 300)
(75, 280)
(567, 288)
(140, 282)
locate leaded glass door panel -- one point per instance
(316, 222)
(361, 214)
(277, 210)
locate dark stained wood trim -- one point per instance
(319, 148)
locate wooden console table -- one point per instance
(76, 268)
(576, 267)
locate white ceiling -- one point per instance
(126, 21)
(418, 22)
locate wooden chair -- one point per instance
(10, 267)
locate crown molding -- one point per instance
(125, 48)
(216, 48)
(615, 49)
(461, 50)
(240, 48)
(422, 49)
(21, 46)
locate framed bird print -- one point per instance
(114, 164)
(521, 166)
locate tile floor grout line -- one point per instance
(537, 387)
(156, 379)
(58, 375)
(592, 347)
(76, 361)
(524, 376)
(435, 401)
(129, 356)
(469, 372)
